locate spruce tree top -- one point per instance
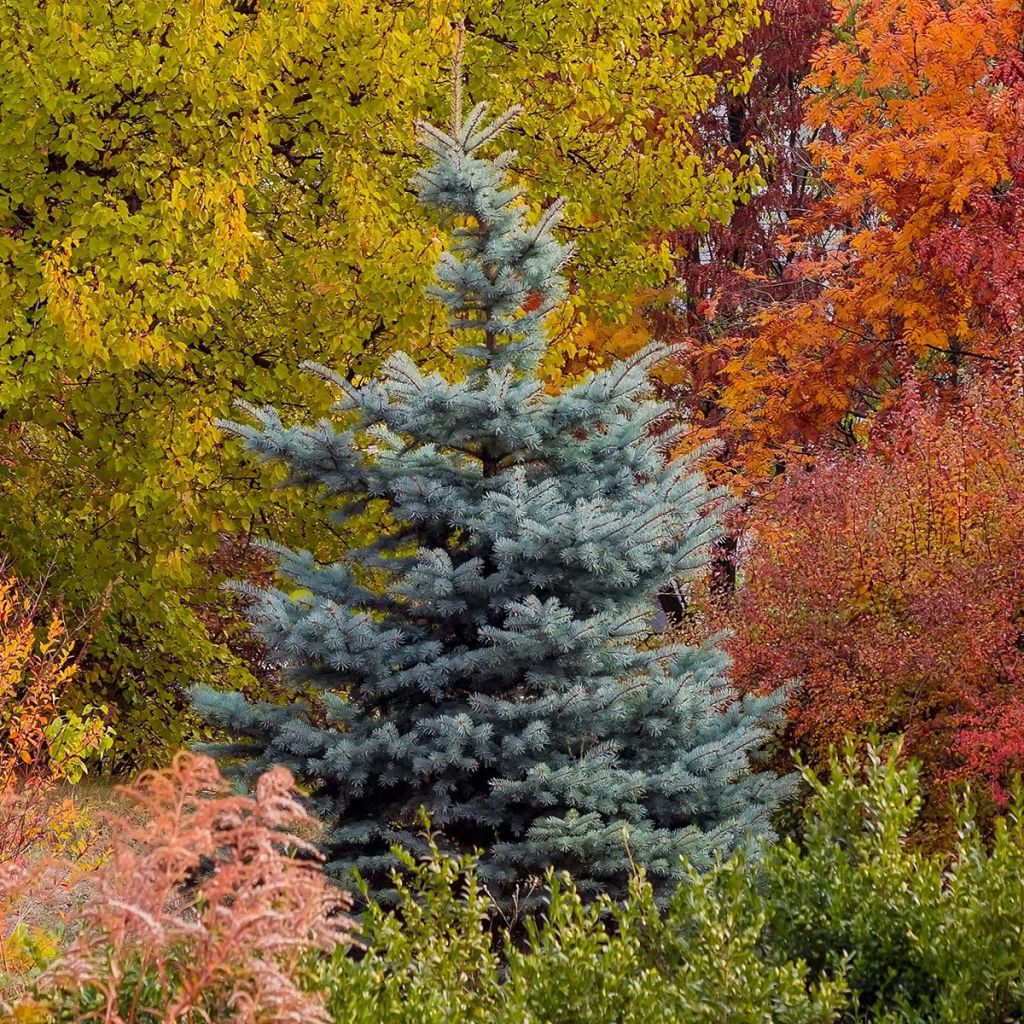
(490, 657)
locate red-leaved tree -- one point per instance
(734, 270)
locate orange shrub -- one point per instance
(36, 667)
(43, 836)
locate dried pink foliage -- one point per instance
(205, 891)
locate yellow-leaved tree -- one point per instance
(195, 197)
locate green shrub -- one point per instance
(854, 922)
(439, 957)
(699, 960)
(917, 936)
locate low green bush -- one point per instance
(435, 959)
(853, 922)
(916, 935)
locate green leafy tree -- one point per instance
(196, 198)
(485, 659)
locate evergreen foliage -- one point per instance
(490, 657)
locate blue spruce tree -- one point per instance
(490, 658)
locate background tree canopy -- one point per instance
(195, 198)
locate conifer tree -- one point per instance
(490, 657)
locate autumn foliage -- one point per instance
(818, 203)
(736, 269)
(890, 582)
(194, 199)
(204, 909)
(43, 744)
(43, 741)
(910, 262)
(37, 664)
(722, 266)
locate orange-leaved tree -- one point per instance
(910, 263)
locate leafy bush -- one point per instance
(916, 935)
(38, 664)
(43, 743)
(854, 922)
(889, 582)
(436, 958)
